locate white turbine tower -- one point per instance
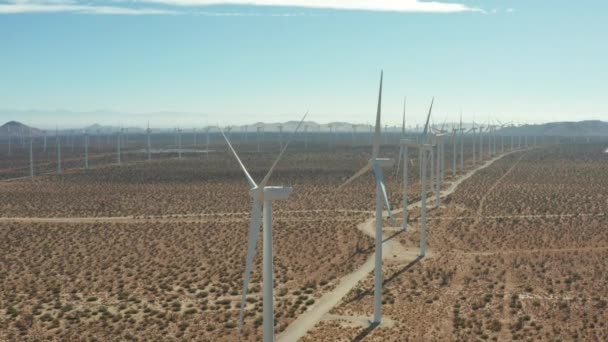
(474, 138)
(207, 129)
(44, 143)
(481, 143)
(454, 155)
(259, 137)
(263, 196)
(31, 155)
(59, 169)
(461, 130)
(149, 142)
(10, 143)
(401, 146)
(118, 146)
(439, 171)
(86, 150)
(376, 164)
(426, 154)
(179, 143)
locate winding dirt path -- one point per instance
(485, 196)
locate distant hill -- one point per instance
(15, 128)
(111, 129)
(583, 128)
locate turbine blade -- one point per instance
(399, 160)
(380, 182)
(426, 126)
(377, 133)
(403, 124)
(355, 176)
(254, 230)
(267, 177)
(460, 120)
(247, 175)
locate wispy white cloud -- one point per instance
(364, 5)
(57, 6)
(173, 7)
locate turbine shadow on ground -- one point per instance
(387, 280)
(365, 332)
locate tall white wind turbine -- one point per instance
(149, 142)
(86, 150)
(426, 154)
(376, 164)
(44, 143)
(59, 169)
(401, 146)
(10, 143)
(405, 145)
(118, 146)
(31, 155)
(461, 133)
(263, 196)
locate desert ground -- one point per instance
(155, 250)
(518, 252)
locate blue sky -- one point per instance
(528, 61)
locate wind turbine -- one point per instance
(44, 143)
(10, 148)
(474, 138)
(263, 196)
(426, 154)
(148, 131)
(31, 155)
(118, 145)
(461, 144)
(405, 145)
(481, 143)
(71, 139)
(179, 142)
(438, 172)
(259, 136)
(86, 150)
(98, 140)
(207, 129)
(454, 155)
(281, 136)
(376, 164)
(59, 169)
(401, 146)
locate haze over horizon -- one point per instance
(201, 62)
